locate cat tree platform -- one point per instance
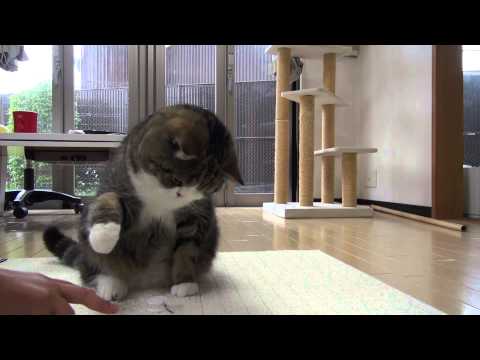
(318, 210)
(314, 51)
(322, 96)
(340, 150)
(349, 169)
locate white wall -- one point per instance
(390, 92)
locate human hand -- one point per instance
(24, 293)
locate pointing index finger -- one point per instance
(80, 295)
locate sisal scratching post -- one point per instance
(349, 180)
(306, 151)
(328, 131)
(281, 127)
(328, 162)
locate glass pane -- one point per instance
(190, 75)
(100, 100)
(471, 58)
(471, 100)
(87, 179)
(254, 117)
(29, 88)
(101, 87)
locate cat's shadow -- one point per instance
(213, 281)
(154, 299)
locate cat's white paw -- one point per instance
(185, 289)
(104, 237)
(111, 288)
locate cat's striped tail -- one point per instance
(61, 246)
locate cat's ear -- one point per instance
(233, 172)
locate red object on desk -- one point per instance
(25, 121)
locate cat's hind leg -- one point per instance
(104, 218)
(183, 271)
(107, 286)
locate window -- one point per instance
(254, 117)
(190, 75)
(29, 88)
(97, 77)
(471, 99)
(101, 87)
(112, 87)
(100, 101)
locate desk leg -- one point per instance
(3, 177)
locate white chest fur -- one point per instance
(158, 201)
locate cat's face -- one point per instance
(188, 148)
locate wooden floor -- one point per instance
(438, 266)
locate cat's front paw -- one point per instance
(104, 237)
(111, 288)
(185, 289)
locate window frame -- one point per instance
(146, 94)
(63, 177)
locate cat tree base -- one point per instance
(293, 210)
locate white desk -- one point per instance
(80, 141)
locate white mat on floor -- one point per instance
(265, 282)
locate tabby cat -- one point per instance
(153, 222)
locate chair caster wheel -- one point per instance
(20, 212)
(78, 208)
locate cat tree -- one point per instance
(308, 98)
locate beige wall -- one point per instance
(390, 92)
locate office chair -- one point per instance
(20, 200)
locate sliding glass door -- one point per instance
(237, 83)
(100, 101)
(191, 77)
(251, 119)
(113, 87)
(92, 85)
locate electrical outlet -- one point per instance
(372, 179)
